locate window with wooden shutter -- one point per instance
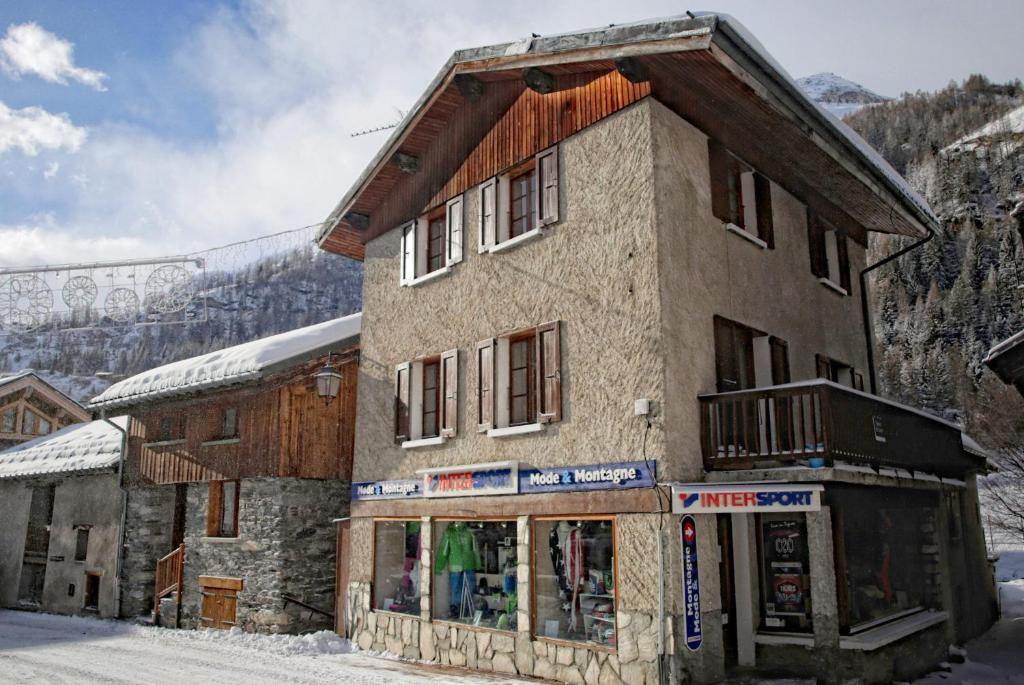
(718, 161)
(522, 378)
(449, 393)
(858, 381)
(454, 214)
(485, 384)
(220, 601)
(402, 387)
(816, 245)
(549, 371)
(547, 171)
(488, 215)
(523, 203)
(408, 253)
(222, 509)
(843, 262)
(765, 220)
(822, 367)
(780, 360)
(734, 355)
(430, 404)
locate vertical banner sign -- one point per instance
(691, 585)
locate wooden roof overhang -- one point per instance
(707, 75)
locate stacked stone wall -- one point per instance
(147, 537)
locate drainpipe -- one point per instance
(124, 513)
(866, 309)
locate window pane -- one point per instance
(574, 572)
(431, 389)
(227, 519)
(520, 411)
(785, 573)
(82, 544)
(475, 573)
(519, 382)
(10, 416)
(28, 423)
(396, 568)
(230, 427)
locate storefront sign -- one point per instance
(387, 489)
(691, 585)
(619, 476)
(499, 478)
(751, 497)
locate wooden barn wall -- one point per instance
(284, 430)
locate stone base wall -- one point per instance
(285, 546)
(147, 537)
(411, 637)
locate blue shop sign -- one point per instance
(498, 478)
(616, 476)
(387, 489)
(691, 585)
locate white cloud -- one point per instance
(51, 170)
(43, 244)
(31, 49)
(32, 128)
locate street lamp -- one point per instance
(328, 381)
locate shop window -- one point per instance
(785, 573)
(882, 543)
(475, 573)
(222, 509)
(82, 543)
(396, 566)
(574, 579)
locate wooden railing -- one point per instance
(821, 420)
(169, 572)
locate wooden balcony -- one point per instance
(820, 420)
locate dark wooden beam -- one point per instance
(632, 69)
(538, 80)
(359, 222)
(469, 86)
(407, 163)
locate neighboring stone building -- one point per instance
(237, 468)
(30, 407)
(61, 510)
(613, 344)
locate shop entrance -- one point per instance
(727, 584)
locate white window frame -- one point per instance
(493, 227)
(415, 367)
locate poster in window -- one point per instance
(784, 552)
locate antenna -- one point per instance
(385, 127)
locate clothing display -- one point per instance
(458, 550)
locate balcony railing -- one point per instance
(170, 570)
(795, 423)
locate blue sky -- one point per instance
(176, 126)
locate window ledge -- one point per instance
(518, 240)
(828, 283)
(164, 443)
(888, 633)
(220, 540)
(222, 441)
(784, 639)
(424, 442)
(515, 430)
(432, 276)
(746, 235)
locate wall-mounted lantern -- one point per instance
(328, 381)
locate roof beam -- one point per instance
(358, 222)
(538, 80)
(632, 69)
(410, 164)
(469, 86)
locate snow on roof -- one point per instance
(1005, 345)
(231, 365)
(4, 380)
(73, 449)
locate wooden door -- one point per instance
(727, 588)
(341, 577)
(220, 601)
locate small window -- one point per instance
(830, 259)
(426, 398)
(10, 420)
(42, 427)
(475, 567)
(170, 428)
(92, 592)
(432, 242)
(838, 372)
(740, 197)
(519, 201)
(522, 193)
(574, 577)
(229, 423)
(526, 367)
(396, 566)
(82, 543)
(222, 509)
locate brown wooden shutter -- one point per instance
(214, 508)
(858, 381)
(823, 367)
(843, 253)
(816, 244)
(485, 384)
(780, 360)
(763, 198)
(449, 393)
(402, 388)
(549, 372)
(726, 368)
(488, 215)
(718, 160)
(547, 173)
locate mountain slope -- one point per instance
(837, 94)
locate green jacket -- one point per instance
(458, 550)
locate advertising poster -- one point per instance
(691, 585)
(784, 552)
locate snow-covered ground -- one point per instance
(43, 648)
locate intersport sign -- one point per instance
(702, 498)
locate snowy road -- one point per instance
(41, 648)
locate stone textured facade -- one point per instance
(147, 538)
(285, 546)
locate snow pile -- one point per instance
(311, 644)
(1010, 566)
(75, 448)
(231, 365)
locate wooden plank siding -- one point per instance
(284, 430)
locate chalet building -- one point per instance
(1007, 361)
(30, 407)
(238, 463)
(61, 505)
(614, 414)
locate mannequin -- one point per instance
(458, 552)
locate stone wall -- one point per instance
(147, 538)
(285, 546)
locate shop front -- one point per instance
(543, 572)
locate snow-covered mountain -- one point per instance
(837, 94)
